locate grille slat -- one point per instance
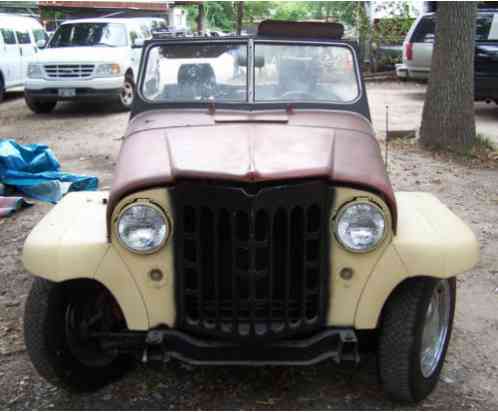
(304, 266)
(270, 270)
(199, 248)
(216, 279)
(251, 263)
(287, 265)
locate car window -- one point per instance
(90, 34)
(304, 73)
(425, 27)
(487, 27)
(133, 35)
(8, 36)
(40, 35)
(196, 73)
(23, 37)
(146, 31)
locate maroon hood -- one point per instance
(161, 147)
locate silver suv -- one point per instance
(419, 42)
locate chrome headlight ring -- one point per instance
(143, 227)
(360, 226)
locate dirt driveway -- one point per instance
(85, 139)
(406, 102)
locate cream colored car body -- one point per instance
(71, 243)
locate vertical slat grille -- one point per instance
(251, 265)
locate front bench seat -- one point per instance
(196, 81)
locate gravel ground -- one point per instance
(86, 139)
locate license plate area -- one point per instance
(67, 92)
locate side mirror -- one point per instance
(138, 43)
(429, 38)
(41, 43)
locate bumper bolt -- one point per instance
(156, 275)
(346, 273)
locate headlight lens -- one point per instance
(360, 226)
(35, 71)
(108, 70)
(143, 228)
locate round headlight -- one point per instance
(143, 228)
(360, 226)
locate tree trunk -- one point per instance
(448, 117)
(201, 16)
(240, 17)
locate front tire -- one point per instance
(127, 95)
(40, 107)
(414, 337)
(54, 317)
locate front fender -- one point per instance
(70, 242)
(430, 241)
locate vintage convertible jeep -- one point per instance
(250, 222)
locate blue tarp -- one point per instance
(34, 171)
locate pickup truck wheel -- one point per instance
(39, 107)
(2, 89)
(414, 336)
(58, 322)
(127, 94)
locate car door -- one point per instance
(11, 57)
(27, 47)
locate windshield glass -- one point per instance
(219, 72)
(304, 73)
(487, 27)
(197, 72)
(90, 34)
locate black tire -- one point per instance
(2, 88)
(50, 346)
(39, 107)
(128, 93)
(400, 340)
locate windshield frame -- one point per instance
(359, 105)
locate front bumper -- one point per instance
(338, 344)
(405, 72)
(92, 89)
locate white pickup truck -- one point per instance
(90, 59)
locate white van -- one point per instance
(20, 40)
(88, 59)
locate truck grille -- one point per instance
(69, 71)
(251, 263)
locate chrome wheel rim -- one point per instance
(435, 331)
(127, 94)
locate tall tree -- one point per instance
(240, 16)
(200, 18)
(448, 117)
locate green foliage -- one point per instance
(221, 15)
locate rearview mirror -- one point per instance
(41, 43)
(138, 43)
